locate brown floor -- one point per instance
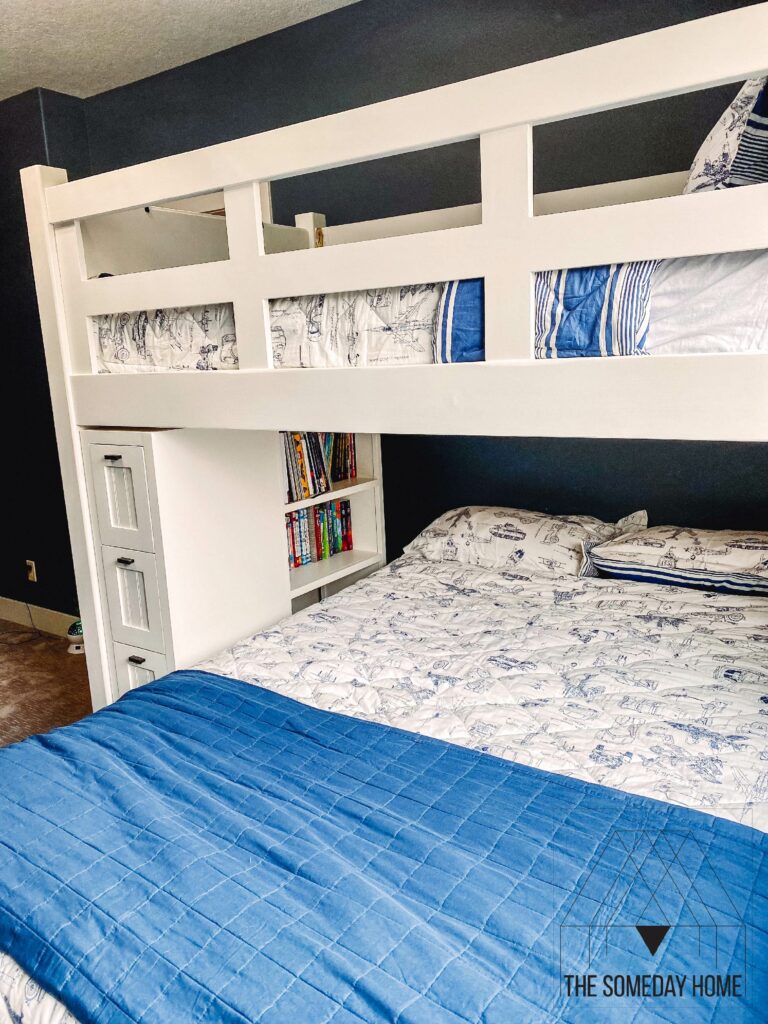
(41, 686)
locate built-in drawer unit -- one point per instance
(133, 598)
(135, 667)
(188, 540)
(121, 495)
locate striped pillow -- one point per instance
(736, 150)
(461, 322)
(593, 311)
(721, 560)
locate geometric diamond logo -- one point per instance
(649, 891)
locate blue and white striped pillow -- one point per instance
(593, 311)
(750, 166)
(736, 150)
(728, 561)
(461, 322)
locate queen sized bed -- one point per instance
(599, 707)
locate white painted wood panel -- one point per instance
(136, 667)
(723, 48)
(380, 263)
(728, 220)
(60, 361)
(133, 598)
(121, 495)
(709, 397)
(151, 239)
(506, 162)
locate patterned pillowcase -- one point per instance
(723, 560)
(526, 543)
(736, 150)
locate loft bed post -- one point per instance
(506, 169)
(247, 208)
(45, 265)
(314, 225)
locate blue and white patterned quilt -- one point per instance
(655, 690)
(210, 851)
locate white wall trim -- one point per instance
(44, 619)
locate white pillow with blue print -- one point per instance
(522, 543)
(736, 150)
(729, 561)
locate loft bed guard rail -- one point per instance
(505, 241)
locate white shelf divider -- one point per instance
(339, 489)
(318, 574)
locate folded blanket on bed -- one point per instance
(205, 850)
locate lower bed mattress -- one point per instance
(322, 867)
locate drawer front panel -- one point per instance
(122, 495)
(135, 667)
(133, 598)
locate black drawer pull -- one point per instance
(136, 660)
(125, 561)
(112, 458)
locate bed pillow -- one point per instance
(383, 326)
(715, 303)
(193, 338)
(527, 543)
(460, 336)
(736, 150)
(593, 311)
(721, 560)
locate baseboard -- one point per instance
(44, 619)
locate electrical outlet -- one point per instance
(31, 571)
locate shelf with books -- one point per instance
(352, 504)
(319, 574)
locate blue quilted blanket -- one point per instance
(209, 851)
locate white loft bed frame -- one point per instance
(506, 239)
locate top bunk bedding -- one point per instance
(681, 306)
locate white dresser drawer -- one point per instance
(122, 495)
(133, 598)
(135, 667)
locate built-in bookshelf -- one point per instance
(363, 492)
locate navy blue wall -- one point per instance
(370, 51)
(712, 485)
(36, 127)
(378, 49)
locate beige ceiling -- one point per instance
(83, 47)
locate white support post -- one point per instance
(314, 225)
(507, 206)
(245, 212)
(45, 264)
(71, 263)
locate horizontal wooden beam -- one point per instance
(728, 220)
(722, 48)
(653, 397)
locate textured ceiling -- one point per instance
(83, 47)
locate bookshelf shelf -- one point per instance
(340, 489)
(319, 574)
(317, 580)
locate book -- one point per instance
(307, 471)
(317, 533)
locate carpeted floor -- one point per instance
(41, 686)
